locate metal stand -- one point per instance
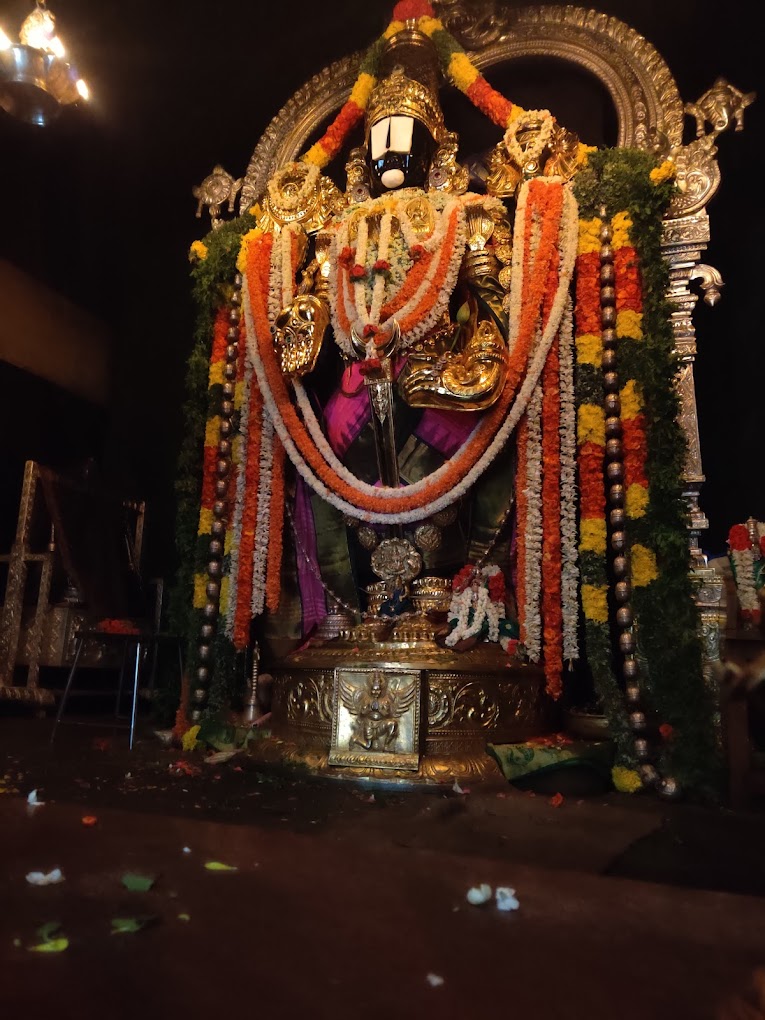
(140, 641)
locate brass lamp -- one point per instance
(36, 77)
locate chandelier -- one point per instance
(36, 76)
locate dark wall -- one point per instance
(39, 421)
(101, 206)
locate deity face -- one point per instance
(377, 686)
(399, 153)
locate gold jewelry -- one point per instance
(357, 175)
(445, 173)
(400, 96)
(298, 193)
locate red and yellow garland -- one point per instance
(629, 327)
(210, 453)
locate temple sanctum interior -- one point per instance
(382, 528)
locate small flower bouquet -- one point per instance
(746, 552)
(477, 609)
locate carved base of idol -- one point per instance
(401, 712)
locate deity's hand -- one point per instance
(299, 333)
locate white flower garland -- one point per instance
(535, 148)
(568, 237)
(532, 539)
(568, 491)
(354, 297)
(282, 284)
(742, 561)
(240, 457)
(290, 203)
(263, 526)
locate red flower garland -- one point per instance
(276, 531)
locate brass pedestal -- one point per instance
(466, 701)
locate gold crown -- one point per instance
(400, 96)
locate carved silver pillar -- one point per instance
(684, 240)
(685, 237)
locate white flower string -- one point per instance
(569, 225)
(294, 198)
(568, 491)
(383, 252)
(532, 539)
(240, 456)
(535, 146)
(263, 525)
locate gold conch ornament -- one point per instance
(400, 96)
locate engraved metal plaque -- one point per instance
(376, 717)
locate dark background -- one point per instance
(99, 207)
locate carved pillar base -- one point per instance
(467, 700)
(712, 615)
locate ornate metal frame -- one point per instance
(645, 96)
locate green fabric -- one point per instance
(517, 760)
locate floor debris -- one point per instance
(506, 898)
(479, 894)
(137, 883)
(45, 878)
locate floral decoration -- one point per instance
(653, 453)
(477, 608)
(746, 552)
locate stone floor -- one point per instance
(350, 901)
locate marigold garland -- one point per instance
(591, 438)
(631, 184)
(455, 474)
(210, 458)
(669, 646)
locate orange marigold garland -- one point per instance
(545, 203)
